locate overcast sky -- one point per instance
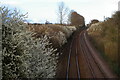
(42, 10)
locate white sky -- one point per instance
(42, 10)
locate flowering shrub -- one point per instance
(95, 29)
(58, 34)
(23, 55)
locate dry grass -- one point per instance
(104, 35)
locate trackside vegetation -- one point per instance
(105, 36)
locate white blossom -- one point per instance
(23, 55)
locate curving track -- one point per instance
(73, 70)
(81, 60)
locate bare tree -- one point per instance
(69, 17)
(62, 12)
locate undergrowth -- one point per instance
(105, 36)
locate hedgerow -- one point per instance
(58, 34)
(24, 56)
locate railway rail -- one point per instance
(76, 61)
(92, 64)
(80, 60)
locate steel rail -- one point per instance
(86, 57)
(78, 68)
(67, 74)
(76, 58)
(102, 71)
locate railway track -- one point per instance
(97, 66)
(92, 64)
(76, 62)
(80, 60)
